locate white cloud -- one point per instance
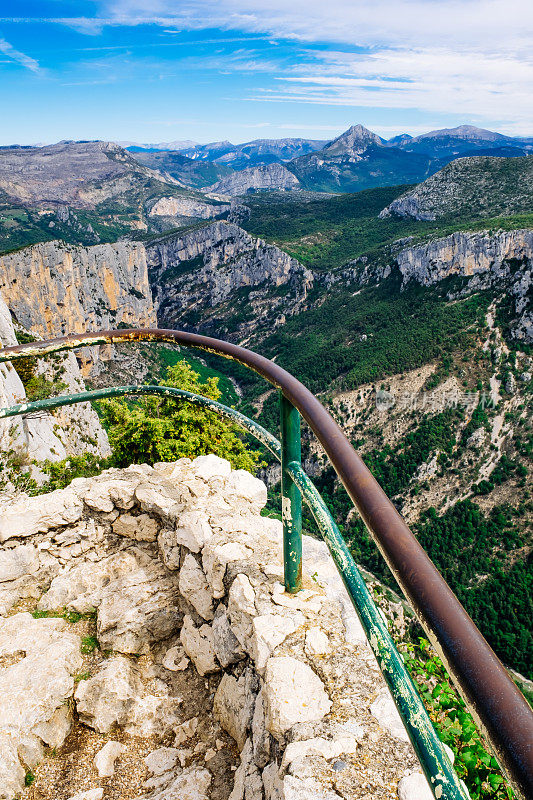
(20, 58)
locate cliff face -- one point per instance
(488, 260)
(71, 431)
(221, 275)
(54, 288)
(273, 176)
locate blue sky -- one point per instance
(244, 69)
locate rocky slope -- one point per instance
(481, 186)
(192, 674)
(263, 178)
(78, 174)
(462, 140)
(208, 276)
(53, 288)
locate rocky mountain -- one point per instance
(180, 144)
(255, 153)
(357, 160)
(274, 177)
(462, 140)
(481, 186)
(77, 174)
(188, 171)
(82, 192)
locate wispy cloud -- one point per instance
(20, 58)
(495, 85)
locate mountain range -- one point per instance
(357, 159)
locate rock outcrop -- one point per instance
(78, 174)
(252, 179)
(195, 274)
(187, 207)
(194, 644)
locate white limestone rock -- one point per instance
(242, 609)
(414, 787)
(292, 693)
(142, 527)
(175, 659)
(194, 587)
(17, 562)
(191, 784)
(186, 730)
(227, 647)
(104, 760)
(108, 697)
(91, 794)
(211, 467)
(260, 735)
(248, 784)
(199, 645)
(55, 730)
(162, 760)
(45, 654)
(136, 598)
(386, 713)
(270, 630)
(160, 498)
(244, 489)
(215, 559)
(316, 642)
(328, 749)
(234, 703)
(30, 515)
(12, 773)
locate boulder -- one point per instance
(292, 693)
(194, 587)
(104, 761)
(199, 645)
(108, 697)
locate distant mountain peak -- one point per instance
(354, 141)
(464, 132)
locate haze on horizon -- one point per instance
(129, 70)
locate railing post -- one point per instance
(291, 499)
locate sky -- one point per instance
(209, 70)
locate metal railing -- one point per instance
(497, 705)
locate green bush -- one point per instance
(164, 429)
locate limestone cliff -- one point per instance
(70, 431)
(220, 272)
(272, 177)
(54, 288)
(501, 260)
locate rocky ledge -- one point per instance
(148, 650)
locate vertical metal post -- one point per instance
(291, 499)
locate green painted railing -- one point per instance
(497, 705)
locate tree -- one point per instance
(154, 429)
